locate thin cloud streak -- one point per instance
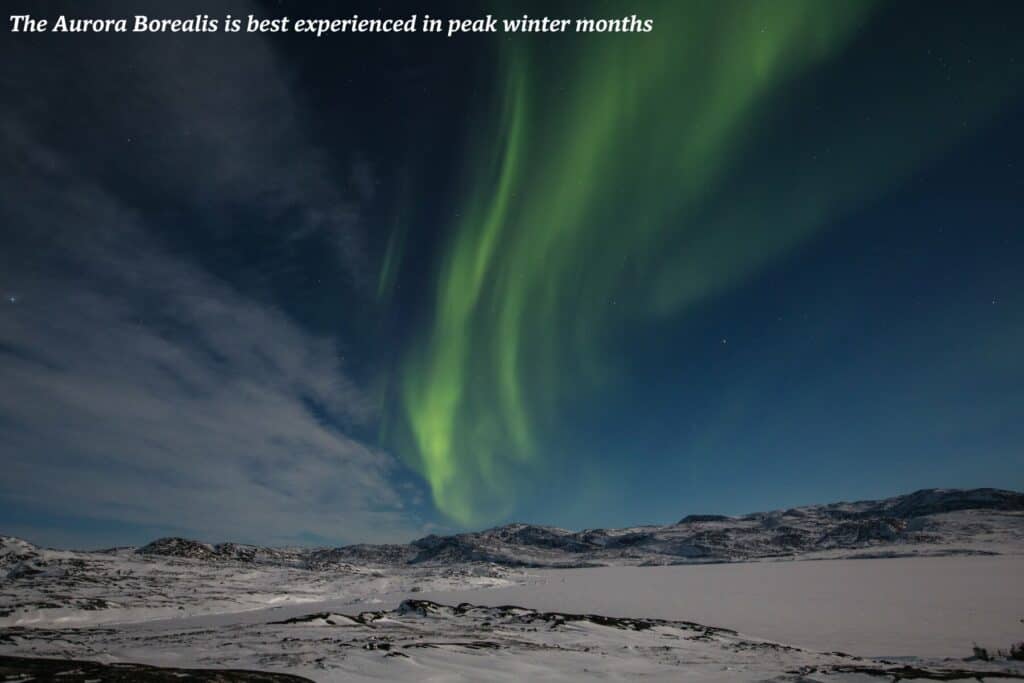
(139, 388)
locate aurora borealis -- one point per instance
(766, 254)
(582, 184)
(618, 189)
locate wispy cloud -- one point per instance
(139, 388)
(137, 385)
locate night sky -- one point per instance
(288, 290)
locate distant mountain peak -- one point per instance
(942, 519)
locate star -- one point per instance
(12, 298)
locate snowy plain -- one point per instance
(751, 621)
(894, 590)
(899, 607)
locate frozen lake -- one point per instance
(923, 606)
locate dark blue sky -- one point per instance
(226, 261)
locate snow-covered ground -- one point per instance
(921, 606)
(858, 601)
(422, 640)
(70, 589)
(751, 621)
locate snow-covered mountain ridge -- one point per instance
(930, 521)
(941, 520)
(183, 603)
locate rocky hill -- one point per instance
(938, 517)
(950, 518)
(936, 521)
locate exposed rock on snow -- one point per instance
(937, 521)
(942, 519)
(181, 603)
(15, 550)
(179, 547)
(237, 552)
(422, 640)
(79, 671)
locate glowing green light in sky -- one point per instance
(625, 179)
